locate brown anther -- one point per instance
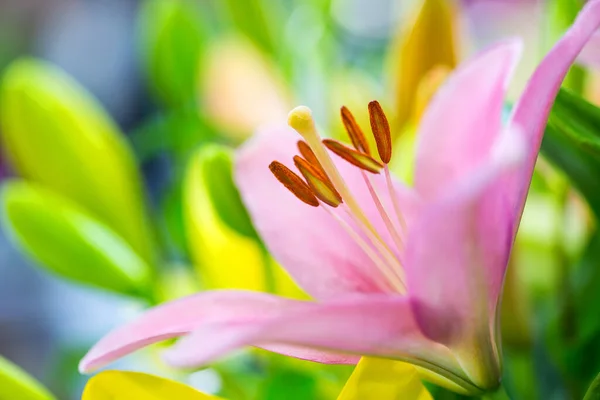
(361, 160)
(307, 153)
(321, 187)
(381, 131)
(293, 183)
(356, 134)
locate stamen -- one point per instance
(309, 156)
(392, 269)
(381, 131)
(375, 258)
(293, 183)
(356, 135)
(300, 119)
(320, 187)
(307, 153)
(384, 215)
(354, 157)
(394, 197)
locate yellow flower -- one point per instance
(427, 42)
(222, 241)
(121, 385)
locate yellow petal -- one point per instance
(428, 42)
(225, 258)
(380, 379)
(241, 89)
(428, 86)
(122, 385)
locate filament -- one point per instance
(375, 258)
(384, 215)
(394, 197)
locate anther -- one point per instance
(381, 131)
(319, 185)
(307, 153)
(354, 157)
(293, 183)
(356, 134)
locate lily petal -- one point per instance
(472, 238)
(454, 142)
(532, 110)
(122, 385)
(590, 55)
(316, 251)
(182, 316)
(377, 325)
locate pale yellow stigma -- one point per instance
(301, 120)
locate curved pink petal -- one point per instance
(458, 250)
(310, 244)
(182, 316)
(532, 110)
(463, 120)
(590, 55)
(377, 325)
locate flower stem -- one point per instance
(499, 394)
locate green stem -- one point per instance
(499, 394)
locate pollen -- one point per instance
(354, 157)
(307, 153)
(320, 185)
(381, 131)
(356, 134)
(293, 183)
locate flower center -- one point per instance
(323, 186)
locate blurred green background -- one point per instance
(119, 119)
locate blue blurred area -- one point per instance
(46, 323)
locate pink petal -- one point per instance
(590, 55)
(316, 251)
(458, 250)
(182, 316)
(463, 120)
(378, 325)
(532, 110)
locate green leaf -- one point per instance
(17, 384)
(177, 132)
(172, 41)
(57, 134)
(593, 392)
(290, 385)
(578, 120)
(216, 163)
(572, 143)
(255, 19)
(69, 242)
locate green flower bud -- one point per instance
(56, 134)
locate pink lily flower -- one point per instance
(413, 274)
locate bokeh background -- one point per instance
(178, 75)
